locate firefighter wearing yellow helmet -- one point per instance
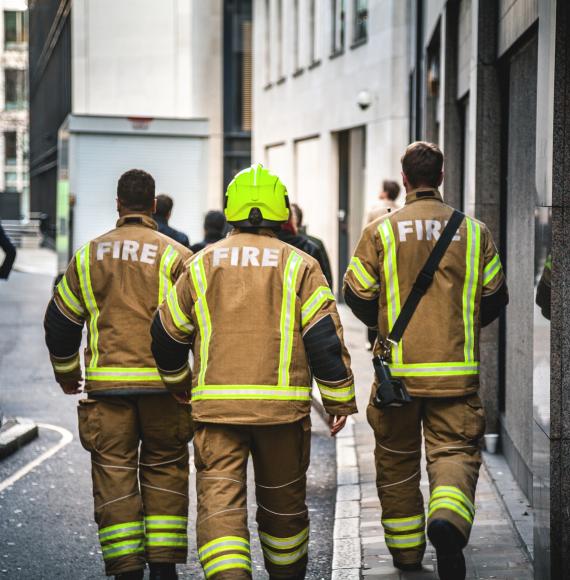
(261, 322)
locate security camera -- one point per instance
(364, 99)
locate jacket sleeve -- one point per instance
(324, 343)
(180, 263)
(495, 295)
(10, 251)
(63, 325)
(172, 332)
(362, 279)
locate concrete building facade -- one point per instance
(150, 61)
(331, 107)
(14, 183)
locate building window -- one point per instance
(10, 181)
(10, 148)
(15, 29)
(312, 31)
(15, 89)
(360, 21)
(296, 24)
(338, 26)
(279, 39)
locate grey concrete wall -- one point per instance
(515, 17)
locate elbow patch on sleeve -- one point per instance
(493, 304)
(170, 355)
(365, 310)
(324, 350)
(63, 336)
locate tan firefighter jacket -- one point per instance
(262, 322)
(439, 353)
(114, 284)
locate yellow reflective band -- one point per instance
(454, 492)
(287, 323)
(470, 286)
(181, 321)
(285, 558)
(122, 374)
(69, 298)
(117, 549)
(176, 378)
(66, 366)
(223, 544)
(452, 505)
(166, 522)
(83, 268)
(121, 531)
(366, 281)
(254, 392)
(548, 263)
(314, 303)
(440, 369)
(405, 540)
(172, 540)
(404, 524)
(340, 395)
(391, 281)
(228, 562)
(283, 543)
(491, 270)
(204, 323)
(164, 279)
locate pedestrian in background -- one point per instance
(164, 205)
(437, 359)
(114, 285)
(302, 230)
(9, 257)
(215, 227)
(387, 200)
(261, 322)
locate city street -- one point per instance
(46, 525)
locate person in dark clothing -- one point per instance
(302, 230)
(164, 205)
(214, 230)
(290, 235)
(10, 251)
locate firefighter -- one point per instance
(114, 285)
(437, 358)
(262, 322)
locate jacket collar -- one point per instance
(137, 219)
(423, 193)
(260, 231)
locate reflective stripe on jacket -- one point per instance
(253, 307)
(439, 352)
(114, 285)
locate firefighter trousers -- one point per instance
(452, 429)
(281, 455)
(139, 465)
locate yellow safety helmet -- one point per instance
(256, 198)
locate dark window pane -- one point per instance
(360, 20)
(10, 147)
(15, 88)
(10, 27)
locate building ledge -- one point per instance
(298, 72)
(281, 80)
(336, 54)
(267, 86)
(314, 64)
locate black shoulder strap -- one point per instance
(425, 277)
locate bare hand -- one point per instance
(337, 423)
(183, 398)
(71, 387)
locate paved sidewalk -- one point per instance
(494, 551)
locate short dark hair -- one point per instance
(392, 188)
(164, 205)
(135, 190)
(215, 222)
(298, 213)
(422, 163)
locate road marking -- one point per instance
(347, 551)
(66, 437)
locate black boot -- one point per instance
(162, 571)
(448, 543)
(408, 567)
(132, 575)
